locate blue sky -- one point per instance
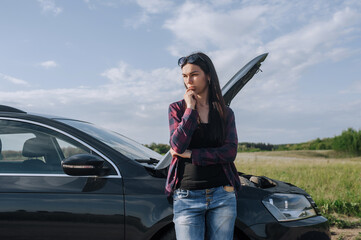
(114, 62)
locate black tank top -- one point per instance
(192, 177)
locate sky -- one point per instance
(114, 62)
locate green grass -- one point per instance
(334, 183)
(343, 222)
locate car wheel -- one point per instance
(168, 235)
(238, 235)
(235, 237)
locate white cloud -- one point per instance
(201, 26)
(93, 4)
(125, 86)
(49, 64)
(355, 88)
(314, 43)
(232, 34)
(130, 101)
(13, 80)
(297, 40)
(50, 6)
(155, 6)
(298, 36)
(148, 9)
(138, 86)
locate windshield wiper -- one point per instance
(149, 161)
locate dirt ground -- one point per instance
(345, 234)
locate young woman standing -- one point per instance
(202, 176)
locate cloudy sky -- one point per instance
(114, 62)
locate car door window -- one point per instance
(29, 148)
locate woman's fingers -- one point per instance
(190, 98)
(172, 152)
(186, 154)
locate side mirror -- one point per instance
(84, 165)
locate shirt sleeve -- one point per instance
(181, 126)
(219, 155)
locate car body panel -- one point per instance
(147, 208)
(38, 200)
(315, 228)
(41, 204)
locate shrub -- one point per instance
(159, 148)
(349, 142)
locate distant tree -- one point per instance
(254, 147)
(349, 141)
(158, 147)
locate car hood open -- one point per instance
(229, 91)
(241, 78)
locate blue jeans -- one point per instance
(207, 212)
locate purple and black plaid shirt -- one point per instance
(182, 123)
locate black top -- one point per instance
(192, 177)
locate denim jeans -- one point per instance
(207, 212)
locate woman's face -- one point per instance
(194, 78)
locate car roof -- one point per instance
(4, 108)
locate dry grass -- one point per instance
(333, 182)
(327, 180)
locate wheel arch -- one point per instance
(165, 233)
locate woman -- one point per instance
(202, 176)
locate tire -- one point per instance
(168, 235)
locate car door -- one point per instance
(39, 201)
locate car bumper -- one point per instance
(314, 228)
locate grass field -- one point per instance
(334, 183)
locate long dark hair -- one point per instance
(217, 107)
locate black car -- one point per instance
(68, 179)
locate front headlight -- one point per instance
(288, 207)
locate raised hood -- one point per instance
(241, 78)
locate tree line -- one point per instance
(349, 143)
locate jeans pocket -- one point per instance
(180, 194)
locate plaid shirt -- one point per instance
(182, 123)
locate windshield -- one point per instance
(120, 143)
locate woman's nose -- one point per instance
(189, 80)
